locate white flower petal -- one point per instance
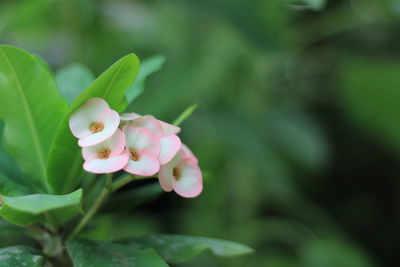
(139, 138)
(85, 115)
(110, 120)
(146, 165)
(110, 165)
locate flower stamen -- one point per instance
(96, 127)
(104, 153)
(134, 155)
(176, 173)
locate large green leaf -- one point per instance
(72, 80)
(20, 256)
(9, 187)
(31, 107)
(89, 253)
(65, 160)
(25, 210)
(179, 248)
(12, 182)
(148, 67)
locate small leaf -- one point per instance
(31, 107)
(315, 5)
(64, 166)
(21, 256)
(72, 80)
(25, 210)
(185, 115)
(179, 248)
(89, 253)
(148, 67)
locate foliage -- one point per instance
(31, 139)
(297, 127)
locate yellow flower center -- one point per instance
(176, 173)
(96, 127)
(134, 155)
(104, 153)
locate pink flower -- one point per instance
(144, 149)
(181, 174)
(188, 153)
(93, 122)
(169, 141)
(108, 156)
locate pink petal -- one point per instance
(147, 165)
(112, 164)
(116, 144)
(169, 128)
(169, 146)
(85, 115)
(110, 119)
(139, 138)
(129, 116)
(188, 153)
(165, 175)
(148, 122)
(190, 182)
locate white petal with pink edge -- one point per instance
(169, 146)
(166, 173)
(148, 122)
(139, 138)
(188, 153)
(116, 144)
(169, 128)
(110, 120)
(190, 182)
(84, 116)
(129, 116)
(110, 165)
(146, 165)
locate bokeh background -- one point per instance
(298, 126)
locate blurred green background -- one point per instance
(298, 130)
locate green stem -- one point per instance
(185, 114)
(51, 221)
(122, 181)
(97, 204)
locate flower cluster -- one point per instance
(140, 145)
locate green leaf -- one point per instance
(87, 253)
(31, 108)
(72, 80)
(21, 256)
(111, 86)
(315, 5)
(148, 67)
(25, 210)
(185, 114)
(12, 182)
(179, 248)
(9, 187)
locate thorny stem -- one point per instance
(92, 211)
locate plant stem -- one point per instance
(92, 211)
(51, 221)
(122, 181)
